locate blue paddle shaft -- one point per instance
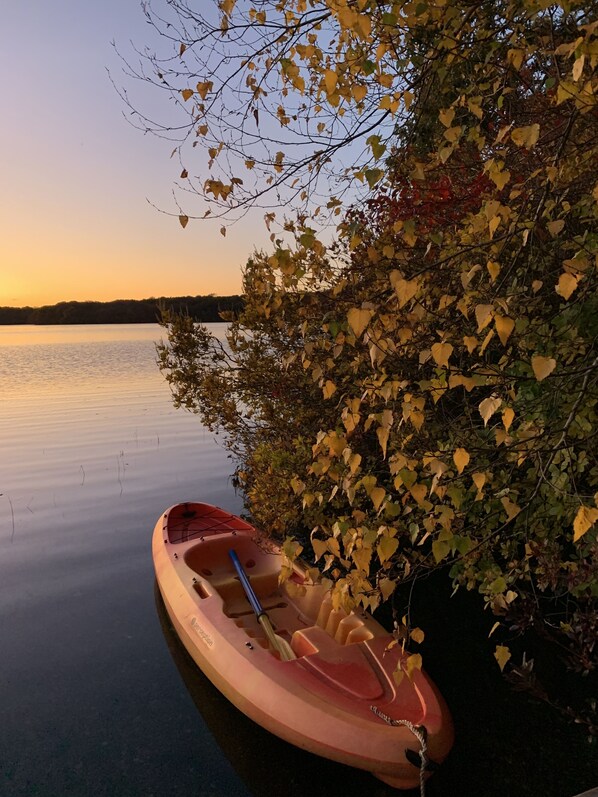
(251, 596)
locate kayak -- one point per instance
(334, 694)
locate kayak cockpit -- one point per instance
(293, 608)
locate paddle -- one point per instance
(277, 642)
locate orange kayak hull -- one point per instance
(335, 699)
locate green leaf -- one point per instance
(373, 176)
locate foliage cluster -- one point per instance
(422, 392)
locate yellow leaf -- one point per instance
(362, 558)
(377, 496)
(543, 366)
(499, 178)
(398, 676)
(507, 418)
(461, 459)
(447, 116)
(488, 407)
(566, 285)
(441, 353)
(453, 133)
(483, 315)
(382, 433)
(386, 548)
(354, 462)
(203, 88)
(440, 549)
(359, 92)
(486, 341)
(387, 587)
(493, 224)
(502, 654)
(515, 58)
(418, 491)
(510, 508)
(187, 94)
(470, 343)
(417, 635)
(184, 220)
(405, 289)
(413, 663)
(526, 136)
(320, 547)
(584, 520)
(578, 67)
(479, 479)
(493, 269)
(328, 389)
(504, 327)
(330, 81)
(359, 318)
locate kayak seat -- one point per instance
(209, 558)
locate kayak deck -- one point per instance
(323, 699)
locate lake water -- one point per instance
(96, 695)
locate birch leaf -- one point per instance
(328, 389)
(566, 285)
(377, 496)
(382, 432)
(483, 315)
(507, 418)
(320, 547)
(330, 81)
(584, 520)
(461, 459)
(417, 635)
(386, 548)
(418, 491)
(504, 327)
(441, 353)
(413, 663)
(405, 289)
(387, 587)
(526, 136)
(359, 318)
(502, 654)
(488, 407)
(398, 676)
(543, 366)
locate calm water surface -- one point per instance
(96, 695)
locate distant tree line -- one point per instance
(124, 311)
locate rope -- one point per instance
(420, 734)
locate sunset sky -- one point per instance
(77, 180)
